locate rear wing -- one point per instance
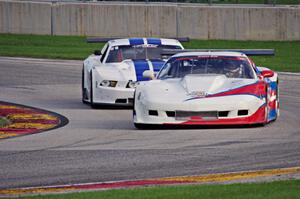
(103, 40)
(248, 52)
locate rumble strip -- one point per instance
(24, 120)
(210, 178)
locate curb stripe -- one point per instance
(210, 178)
(25, 120)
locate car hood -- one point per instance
(128, 69)
(192, 87)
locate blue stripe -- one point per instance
(157, 65)
(154, 41)
(273, 85)
(140, 66)
(272, 114)
(136, 41)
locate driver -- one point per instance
(232, 69)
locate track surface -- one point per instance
(102, 145)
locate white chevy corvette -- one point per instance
(207, 88)
(109, 76)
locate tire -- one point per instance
(91, 92)
(83, 90)
(133, 108)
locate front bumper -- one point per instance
(113, 96)
(229, 110)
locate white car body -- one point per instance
(109, 80)
(207, 99)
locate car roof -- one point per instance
(137, 41)
(210, 53)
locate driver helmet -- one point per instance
(231, 69)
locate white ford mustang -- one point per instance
(207, 88)
(109, 76)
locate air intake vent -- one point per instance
(223, 113)
(123, 101)
(153, 112)
(170, 113)
(242, 112)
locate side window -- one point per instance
(104, 52)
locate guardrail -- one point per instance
(109, 19)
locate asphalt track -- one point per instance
(103, 145)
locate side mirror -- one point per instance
(267, 73)
(149, 74)
(97, 52)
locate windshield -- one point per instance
(120, 53)
(232, 67)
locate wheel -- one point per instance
(83, 90)
(91, 91)
(133, 109)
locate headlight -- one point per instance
(108, 83)
(131, 84)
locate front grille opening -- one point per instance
(196, 115)
(170, 113)
(153, 112)
(223, 113)
(121, 101)
(242, 112)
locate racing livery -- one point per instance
(109, 76)
(208, 88)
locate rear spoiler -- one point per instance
(103, 40)
(248, 52)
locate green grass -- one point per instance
(3, 122)
(45, 46)
(74, 47)
(274, 190)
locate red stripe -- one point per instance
(254, 89)
(125, 184)
(272, 105)
(38, 121)
(4, 112)
(18, 131)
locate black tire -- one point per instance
(133, 106)
(91, 92)
(83, 90)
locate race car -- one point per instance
(109, 76)
(208, 88)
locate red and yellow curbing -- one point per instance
(24, 120)
(211, 178)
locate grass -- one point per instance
(279, 189)
(3, 122)
(74, 47)
(45, 46)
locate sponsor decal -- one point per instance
(198, 94)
